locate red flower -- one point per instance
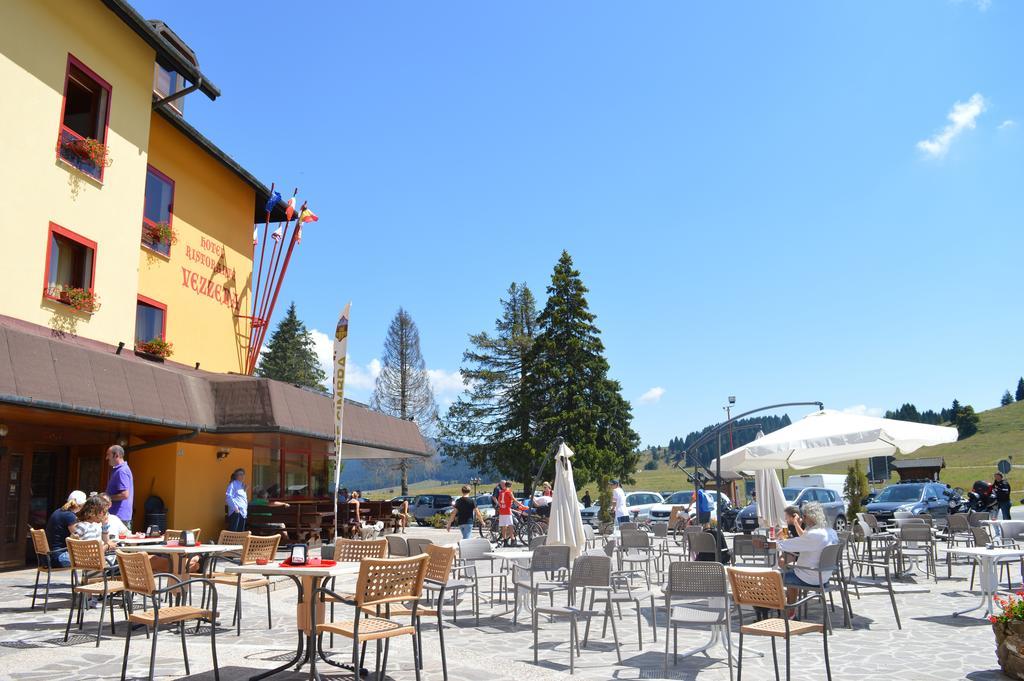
(993, 619)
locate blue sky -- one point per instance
(778, 201)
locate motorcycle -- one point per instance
(980, 498)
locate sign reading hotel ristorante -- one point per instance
(211, 260)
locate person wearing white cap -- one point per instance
(60, 526)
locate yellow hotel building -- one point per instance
(131, 230)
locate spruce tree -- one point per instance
(1020, 390)
(570, 387)
(1006, 399)
(490, 425)
(290, 357)
(402, 387)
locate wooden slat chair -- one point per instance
(353, 551)
(438, 570)
(175, 535)
(87, 558)
(41, 546)
(253, 549)
(227, 537)
(762, 588)
(138, 578)
(383, 583)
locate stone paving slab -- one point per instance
(932, 644)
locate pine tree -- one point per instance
(1006, 399)
(402, 388)
(492, 421)
(855, 489)
(1020, 390)
(570, 387)
(966, 421)
(290, 357)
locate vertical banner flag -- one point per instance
(340, 349)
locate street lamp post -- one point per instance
(475, 481)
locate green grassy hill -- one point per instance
(1000, 436)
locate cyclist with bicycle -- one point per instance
(506, 500)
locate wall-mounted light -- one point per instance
(3, 430)
(222, 453)
(120, 347)
(197, 366)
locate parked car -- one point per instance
(638, 502)
(831, 502)
(399, 500)
(428, 505)
(662, 512)
(912, 497)
(486, 506)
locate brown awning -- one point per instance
(86, 378)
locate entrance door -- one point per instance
(14, 495)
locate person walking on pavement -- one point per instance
(120, 486)
(465, 509)
(619, 510)
(1001, 488)
(506, 500)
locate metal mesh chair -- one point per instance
(87, 558)
(397, 546)
(253, 548)
(551, 562)
(138, 578)
(762, 588)
(697, 581)
(383, 584)
(41, 546)
(981, 537)
(635, 548)
(745, 551)
(974, 518)
(958, 533)
(703, 544)
(881, 559)
(539, 540)
(588, 533)
(589, 573)
(416, 545)
(627, 525)
(831, 579)
(473, 552)
(917, 543)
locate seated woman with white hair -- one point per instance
(814, 535)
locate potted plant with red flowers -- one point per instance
(161, 233)
(80, 299)
(156, 348)
(90, 150)
(1008, 626)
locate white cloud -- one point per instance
(653, 395)
(357, 376)
(446, 384)
(982, 5)
(1008, 123)
(864, 410)
(962, 117)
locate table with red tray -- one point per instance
(307, 578)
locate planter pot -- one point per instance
(64, 297)
(148, 355)
(1010, 647)
(79, 148)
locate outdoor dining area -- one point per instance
(637, 600)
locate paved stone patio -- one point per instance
(932, 644)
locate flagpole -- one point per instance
(280, 278)
(264, 313)
(340, 353)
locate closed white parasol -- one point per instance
(565, 526)
(770, 500)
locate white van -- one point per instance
(833, 481)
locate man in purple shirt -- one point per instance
(121, 486)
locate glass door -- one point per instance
(13, 509)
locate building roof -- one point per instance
(931, 462)
(168, 55)
(87, 378)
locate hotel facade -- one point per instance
(132, 237)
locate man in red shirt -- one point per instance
(505, 503)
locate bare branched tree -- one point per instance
(403, 386)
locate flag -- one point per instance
(275, 198)
(340, 350)
(253, 236)
(289, 210)
(307, 216)
(298, 234)
(278, 234)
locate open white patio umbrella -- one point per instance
(829, 436)
(769, 497)
(565, 526)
